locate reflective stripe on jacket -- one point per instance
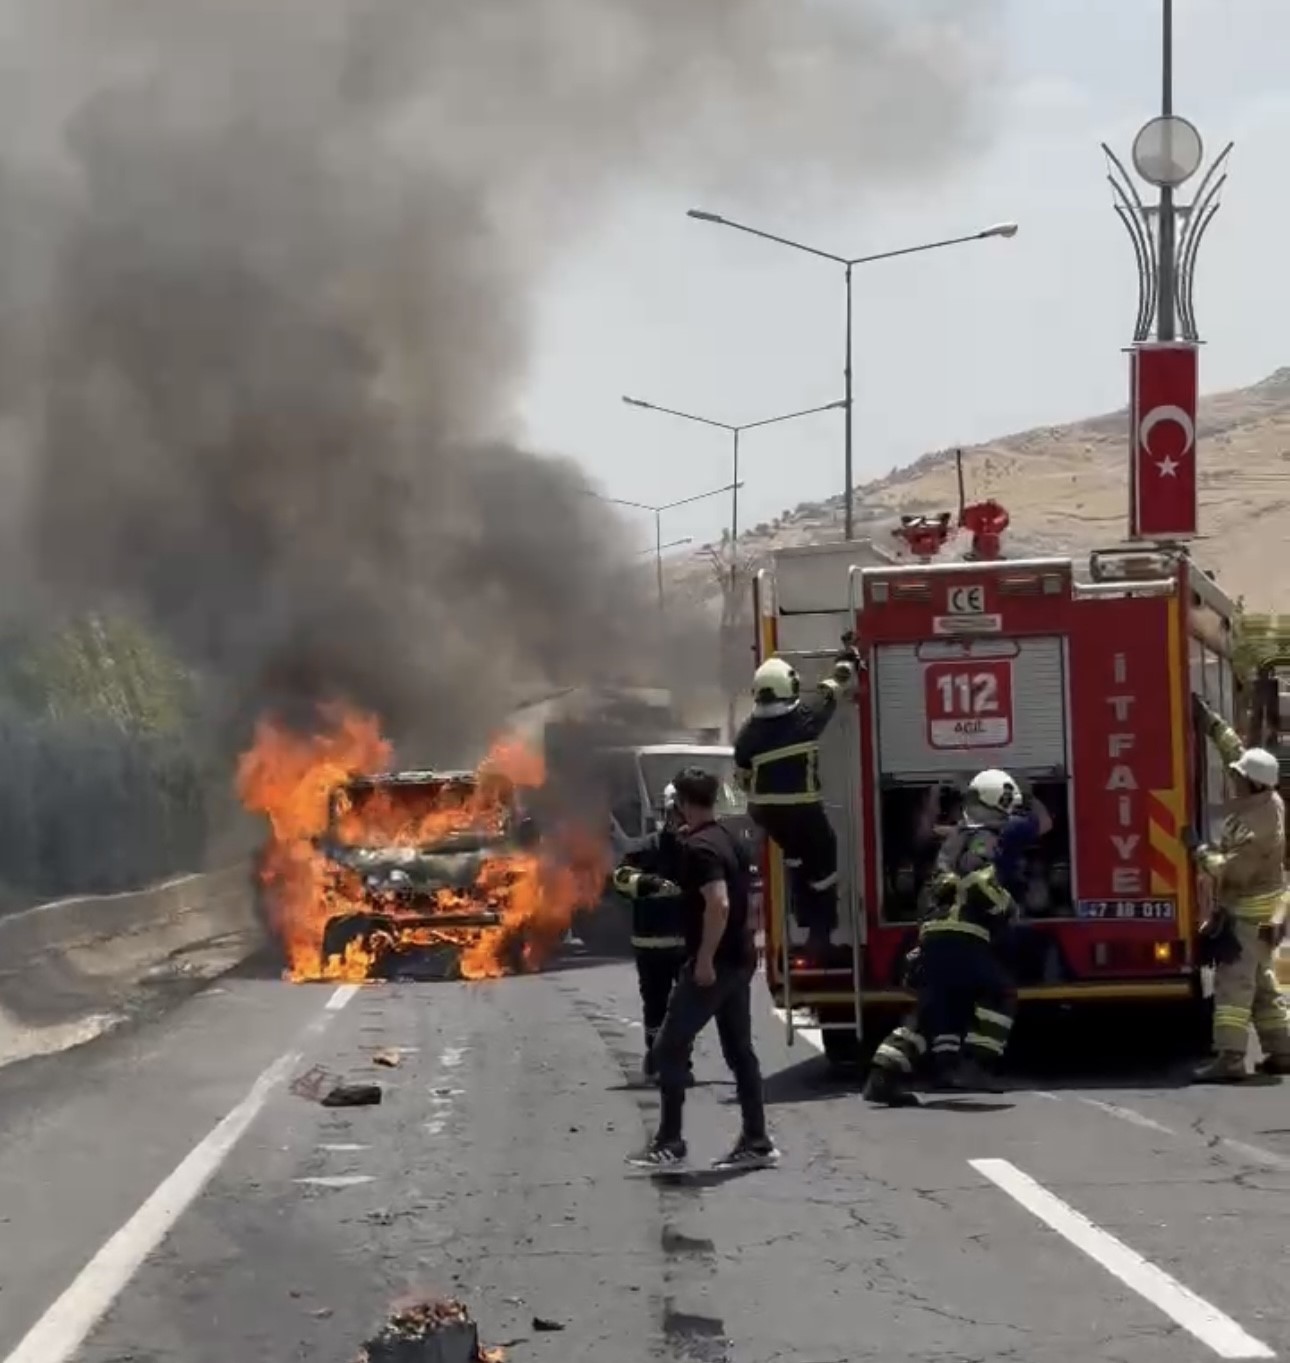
(777, 757)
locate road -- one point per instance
(166, 1198)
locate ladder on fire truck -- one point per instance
(813, 658)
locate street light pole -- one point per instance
(1165, 313)
(1002, 229)
(657, 512)
(736, 430)
(848, 451)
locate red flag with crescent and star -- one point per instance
(1162, 474)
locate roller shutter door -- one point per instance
(1026, 675)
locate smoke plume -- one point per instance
(265, 312)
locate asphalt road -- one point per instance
(166, 1198)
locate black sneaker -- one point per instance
(749, 1154)
(660, 1155)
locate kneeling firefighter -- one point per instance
(966, 999)
(1246, 864)
(777, 761)
(648, 876)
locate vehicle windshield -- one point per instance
(658, 769)
(422, 814)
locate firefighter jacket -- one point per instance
(777, 755)
(966, 895)
(657, 909)
(1247, 859)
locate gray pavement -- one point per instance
(493, 1170)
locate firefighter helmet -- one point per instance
(1259, 767)
(775, 680)
(995, 790)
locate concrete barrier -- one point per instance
(72, 969)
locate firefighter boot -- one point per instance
(888, 1089)
(1226, 1067)
(1274, 1064)
(971, 1076)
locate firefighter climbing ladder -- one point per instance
(843, 814)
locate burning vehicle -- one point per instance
(435, 857)
(376, 872)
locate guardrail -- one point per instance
(69, 968)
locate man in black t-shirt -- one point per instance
(715, 982)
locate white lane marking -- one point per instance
(1197, 1316)
(1127, 1114)
(813, 1036)
(66, 1325)
(451, 1057)
(335, 1180)
(434, 1128)
(342, 996)
(343, 1149)
(1256, 1153)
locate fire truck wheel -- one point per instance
(843, 1049)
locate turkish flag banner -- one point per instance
(1162, 475)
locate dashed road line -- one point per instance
(342, 996)
(65, 1326)
(1127, 1114)
(334, 1180)
(1256, 1154)
(1201, 1319)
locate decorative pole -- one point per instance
(1166, 238)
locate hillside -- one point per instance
(1066, 490)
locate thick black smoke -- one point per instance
(264, 309)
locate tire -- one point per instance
(843, 1050)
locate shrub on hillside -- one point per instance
(104, 779)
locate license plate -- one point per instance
(1128, 910)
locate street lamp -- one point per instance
(999, 229)
(735, 432)
(657, 512)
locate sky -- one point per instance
(951, 347)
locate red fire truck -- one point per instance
(1076, 678)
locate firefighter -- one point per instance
(649, 876)
(1247, 866)
(777, 761)
(966, 1000)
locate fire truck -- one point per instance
(1077, 679)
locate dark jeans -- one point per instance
(805, 836)
(691, 1008)
(657, 969)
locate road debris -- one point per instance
(389, 1058)
(312, 1083)
(545, 1325)
(437, 1331)
(353, 1095)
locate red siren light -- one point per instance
(985, 522)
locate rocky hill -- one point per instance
(1066, 490)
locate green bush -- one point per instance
(105, 781)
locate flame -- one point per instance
(292, 779)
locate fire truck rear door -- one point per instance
(950, 707)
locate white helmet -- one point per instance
(994, 789)
(1259, 768)
(775, 680)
